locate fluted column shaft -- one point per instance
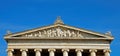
(51, 52)
(65, 52)
(24, 52)
(10, 52)
(37, 52)
(107, 52)
(93, 52)
(79, 52)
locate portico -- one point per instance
(58, 40)
(63, 52)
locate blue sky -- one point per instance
(97, 15)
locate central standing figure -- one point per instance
(59, 32)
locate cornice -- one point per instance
(37, 38)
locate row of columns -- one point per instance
(65, 52)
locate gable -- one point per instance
(58, 31)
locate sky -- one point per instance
(96, 15)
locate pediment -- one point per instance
(58, 31)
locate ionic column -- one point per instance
(37, 52)
(65, 52)
(10, 52)
(93, 52)
(51, 52)
(24, 52)
(107, 52)
(79, 52)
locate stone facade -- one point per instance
(58, 40)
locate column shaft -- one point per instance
(38, 52)
(79, 52)
(51, 52)
(65, 52)
(107, 52)
(10, 52)
(93, 52)
(24, 52)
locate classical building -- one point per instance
(58, 39)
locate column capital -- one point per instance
(65, 50)
(107, 50)
(10, 49)
(92, 50)
(81, 50)
(23, 49)
(38, 49)
(51, 49)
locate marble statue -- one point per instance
(55, 32)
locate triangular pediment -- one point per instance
(58, 31)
